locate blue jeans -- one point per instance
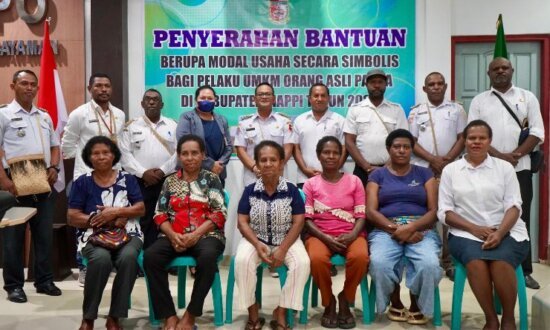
(388, 259)
(14, 238)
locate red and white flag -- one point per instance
(50, 95)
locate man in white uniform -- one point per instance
(147, 143)
(368, 123)
(437, 126)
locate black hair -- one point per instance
(433, 74)
(268, 143)
(399, 133)
(100, 139)
(191, 137)
(477, 122)
(18, 72)
(319, 84)
(265, 83)
(97, 75)
(324, 140)
(154, 91)
(203, 87)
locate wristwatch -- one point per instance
(55, 167)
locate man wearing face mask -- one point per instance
(147, 144)
(211, 127)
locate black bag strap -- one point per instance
(508, 108)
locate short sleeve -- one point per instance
(297, 205)
(462, 119)
(376, 176)
(240, 140)
(401, 119)
(413, 128)
(358, 198)
(79, 194)
(308, 191)
(244, 202)
(425, 173)
(132, 188)
(350, 126)
(445, 197)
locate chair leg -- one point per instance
(217, 300)
(458, 290)
(305, 302)
(229, 293)
(372, 298)
(498, 305)
(365, 301)
(436, 320)
(182, 275)
(259, 276)
(522, 300)
(314, 295)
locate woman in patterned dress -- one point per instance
(106, 197)
(191, 216)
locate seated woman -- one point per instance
(335, 221)
(106, 198)
(271, 218)
(191, 216)
(480, 201)
(402, 205)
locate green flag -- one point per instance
(500, 43)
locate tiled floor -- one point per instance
(43, 312)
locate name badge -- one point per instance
(93, 121)
(250, 129)
(16, 119)
(139, 132)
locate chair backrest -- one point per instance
(302, 194)
(226, 198)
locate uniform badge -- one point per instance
(279, 11)
(21, 133)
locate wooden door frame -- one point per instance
(544, 40)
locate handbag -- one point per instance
(29, 175)
(109, 238)
(537, 156)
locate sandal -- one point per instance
(398, 315)
(346, 322)
(276, 325)
(329, 322)
(413, 318)
(255, 325)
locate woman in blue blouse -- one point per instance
(401, 206)
(271, 218)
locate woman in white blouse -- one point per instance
(480, 201)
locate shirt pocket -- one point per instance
(390, 123)
(18, 129)
(137, 140)
(363, 125)
(276, 130)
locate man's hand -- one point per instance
(217, 168)
(7, 185)
(437, 163)
(256, 171)
(52, 176)
(511, 157)
(310, 172)
(151, 177)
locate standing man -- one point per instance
(437, 127)
(147, 143)
(491, 106)
(97, 117)
(368, 123)
(26, 130)
(310, 127)
(263, 125)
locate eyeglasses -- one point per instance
(154, 99)
(264, 94)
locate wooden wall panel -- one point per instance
(67, 27)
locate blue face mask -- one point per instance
(206, 106)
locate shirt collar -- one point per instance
(326, 116)
(489, 162)
(257, 116)
(281, 186)
(443, 104)
(19, 108)
(96, 106)
(508, 91)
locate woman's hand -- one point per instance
(120, 222)
(106, 216)
(346, 239)
(264, 253)
(403, 233)
(278, 257)
(177, 242)
(482, 232)
(416, 237)
(334, 244)
(190, 239)
(493, 240)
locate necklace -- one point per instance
(394, 172)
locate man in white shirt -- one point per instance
(437, 127)
(506, 131)
(368, 123)
(310, 127)
(147, 143)
(263, 125)
(97, 117)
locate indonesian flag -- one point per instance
(50, 95)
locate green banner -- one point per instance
(235, 45)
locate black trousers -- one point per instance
(150, 198)
(160, 254)
(525, 179)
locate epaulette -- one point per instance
(129, 122)
(458, 102)
(416, 106)
(284, 115)
(43, 110)
(244, 117)
(3, 105)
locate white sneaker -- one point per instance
(273, 273)
(82, 277)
